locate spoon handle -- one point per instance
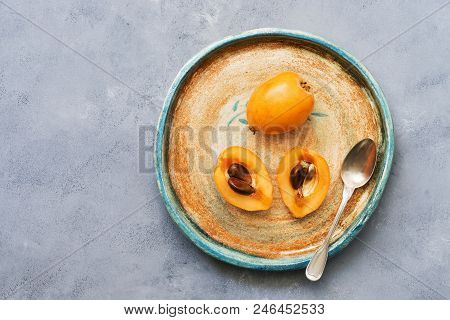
(315, 267)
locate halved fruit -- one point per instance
(243, 180)
(304, 179)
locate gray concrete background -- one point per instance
(78, 77)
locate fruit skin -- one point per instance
(280, 104)
(262, 198)
(300, 207)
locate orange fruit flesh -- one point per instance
(302, 206)
(261, 199)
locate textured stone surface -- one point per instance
(78, 78)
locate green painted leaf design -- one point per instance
(235, 105)
(243, 121)
(319, 114)
(234, 118)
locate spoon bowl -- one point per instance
(359, 164)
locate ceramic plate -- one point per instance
(204, 112)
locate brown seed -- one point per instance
(298, 174)
(240, 179)
(240, 186)
(239, 171)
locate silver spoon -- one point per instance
(357, 169)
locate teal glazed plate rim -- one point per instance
(227, 254)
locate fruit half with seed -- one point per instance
(242, 179)
(304, 179)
